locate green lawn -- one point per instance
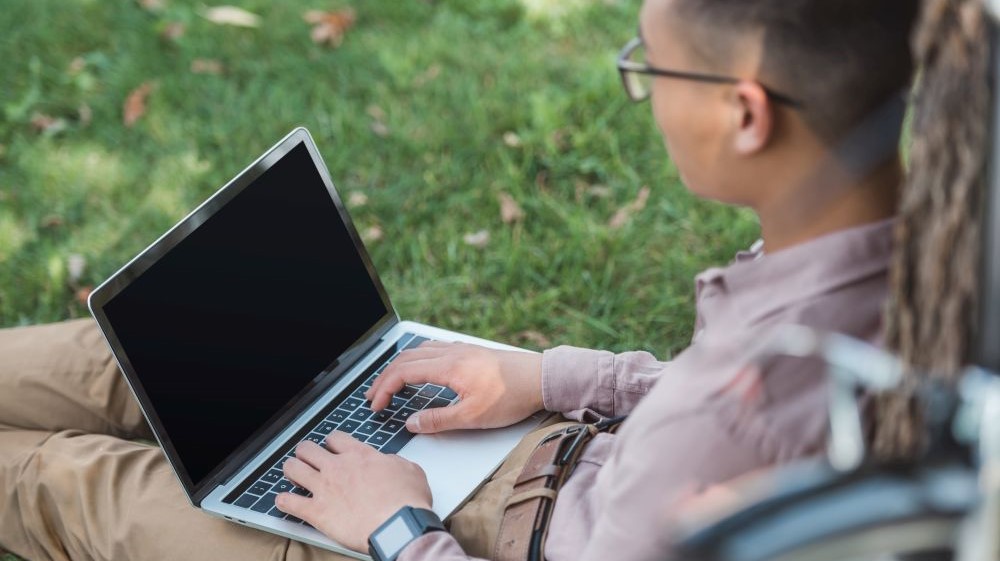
(426, 114)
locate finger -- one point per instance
(409, 355)
(440, 419)
(296, 505)
(301, 473)
(343, 443)
(313, 454)
(436, 371)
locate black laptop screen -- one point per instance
(237, 318)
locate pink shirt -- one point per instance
(702, 418)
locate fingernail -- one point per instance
(413, 423)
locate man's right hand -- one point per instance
(495, 388)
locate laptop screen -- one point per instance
(237, 319)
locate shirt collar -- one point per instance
(757, 284)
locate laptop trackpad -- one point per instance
(457, 462)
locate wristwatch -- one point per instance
(399, 530)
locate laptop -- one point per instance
(257, 322)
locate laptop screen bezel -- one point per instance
(110, 288)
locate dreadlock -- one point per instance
(934, 278)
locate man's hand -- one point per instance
(496, 388)
(355, 488)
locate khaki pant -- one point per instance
(75, 484)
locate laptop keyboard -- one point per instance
(383, 430)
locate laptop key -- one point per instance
(272, 476)
(392, 425)
(418, 402)
(396, 403)
(338, 415)
(359, 394)
(246, 501)
(448, 393)
(259, 488)
(379, 438)
(369, 427)
(404, 414)
(361, 437)
(381, 416)
(361, 414)
(407, 392)
(429, 391)
(314, 437)
(438, 402)
(352, 403)
(265, 504)
(397, 442)
(283, 486)
(300, 491)
(276, 513)
(325, 427)
(349, 426)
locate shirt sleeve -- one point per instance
(576, 381)
(435, 546)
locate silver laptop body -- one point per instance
(258, 318)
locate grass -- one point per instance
(429, 109)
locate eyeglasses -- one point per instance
(637, 76)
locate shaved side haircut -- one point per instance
(842, 59)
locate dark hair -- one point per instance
(843, 59)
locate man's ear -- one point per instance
(754, 117)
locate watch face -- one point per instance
(391, 539)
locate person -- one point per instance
(758, 103)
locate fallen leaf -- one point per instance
(47, 124)
(152, 5)
(510, 211)
(75, 265)
(430, 74)
(535, 338)
(83, 294)
(624, 214)
(357, 198)
(511, 139)
(380, 129)
(231, 15)
(76, 66)
(135, 104)
(329, 27)
(375, 112)
(372, 234)
(206, 66)
(52, 221)
(85, 114)
(173, 31)
(478, 239)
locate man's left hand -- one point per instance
(355, 488)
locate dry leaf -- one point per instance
(329, 27)
(375, 112)
(85, 114)
(135, 104)
(231, 15)
(622, 215)
(478, 239)
(76, 66)
(380, 129)
(52, 221)
(433, 72)
(372, 234)
(83, 294)
(357, 198)
(75, 264)
(152, 5)
(206, 66)
(535, 338)
(173, 31)
(511, 139)
(510, 211)
(47, 124)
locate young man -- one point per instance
(754, 100)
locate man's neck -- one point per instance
(807, 214)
